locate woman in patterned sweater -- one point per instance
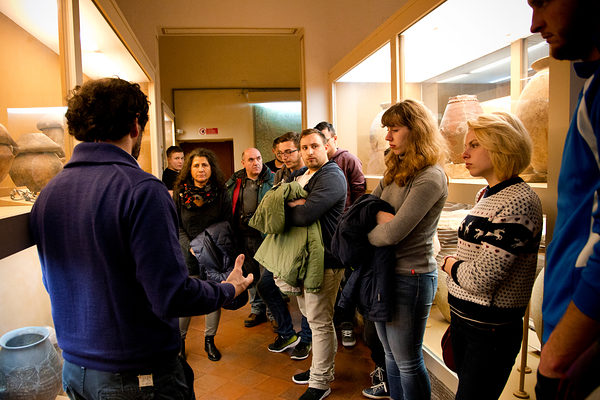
(491, 275)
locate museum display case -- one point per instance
(53, 46)
(462, 58)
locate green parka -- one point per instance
(294, 254)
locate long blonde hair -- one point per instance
(425, 146)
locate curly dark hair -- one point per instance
(106, 109)
(217, 178)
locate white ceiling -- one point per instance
(103, 53)
(458, 36)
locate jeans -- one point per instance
(271, 295)
(402, 338)
(171, 381)
(305, 332)
(484, 356)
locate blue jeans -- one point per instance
(402, 338)
(484, 356)
(171, 381)
(271, 295)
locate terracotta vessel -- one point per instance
(454, 122)
(8, 149)
(30, 367)
(52, 127)
(378, 144)
(532, 110)
(37, 161)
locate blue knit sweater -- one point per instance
(106, 233)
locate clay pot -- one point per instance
(37, 161)
(52, 127)
(378, 144)
(454, 123)
(535, 308)
(8, 149)
(532, 110)
(30, 367)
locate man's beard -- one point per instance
(137, 146)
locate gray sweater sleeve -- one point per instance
(412, 203)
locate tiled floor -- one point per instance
(248, 370)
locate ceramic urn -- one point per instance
(8, 149)
(37, 161)
(454, 126)
(532, 110)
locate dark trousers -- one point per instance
(271, 295)
(484, 356)
(172, 381)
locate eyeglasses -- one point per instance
(286, 153)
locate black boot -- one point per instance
(210, 348)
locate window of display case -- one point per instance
(361, 96)
(33, 144)
(31, 141)
(460, 63)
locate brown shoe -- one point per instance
(254, 319)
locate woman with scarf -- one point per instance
(201, 201)
(415, 184)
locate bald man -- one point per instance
(246, 189)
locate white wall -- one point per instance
(331, 29)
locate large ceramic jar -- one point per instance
(454, 127)
(30, 367)
(8, 149)
(52, 127)
(532, 110)
(37, 161)
(378, 144)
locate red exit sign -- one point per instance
(208, 131)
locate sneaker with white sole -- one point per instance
(348, 339)
(315, 394)
(301, 378)
(301, 351)
(379, 391)
(377, 376)
(280, 344)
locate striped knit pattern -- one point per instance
(498, 243)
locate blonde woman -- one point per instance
(491, 276)
(415, 184)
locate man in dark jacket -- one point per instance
(106, 233)
(326, 187)
(246, 189)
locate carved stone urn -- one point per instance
(37, 161)
(454, 127)
(8, 149)
(30, 367)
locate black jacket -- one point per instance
(325, 202)
(216, 253)
(370, 286)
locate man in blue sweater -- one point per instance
(571, 306)
(106, 233)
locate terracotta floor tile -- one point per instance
(248, 371)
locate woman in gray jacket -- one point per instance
(416, 186)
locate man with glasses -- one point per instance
(289, 151)
(277, 163)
